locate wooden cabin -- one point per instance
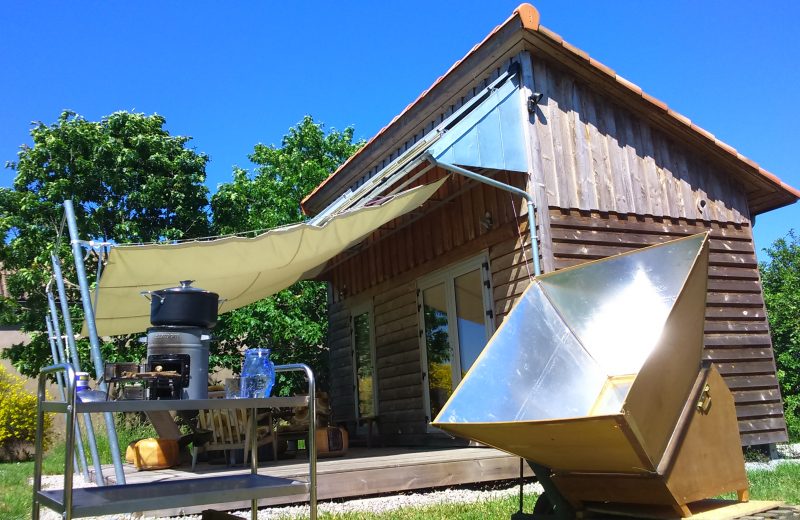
(608, 168)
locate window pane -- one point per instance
(437, 342)
(470, 312)
(363, 353)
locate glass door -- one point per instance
(438, 349)
(456, 319)
(364, 365)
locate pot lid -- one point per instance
(185, 287)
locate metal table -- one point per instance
(179, 493)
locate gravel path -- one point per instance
(374, 505)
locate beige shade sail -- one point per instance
(241, 270)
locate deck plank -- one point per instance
(362, 472)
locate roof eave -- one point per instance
(523, 27)
(497, 43)
(658, 112)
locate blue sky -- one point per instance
(233, 74)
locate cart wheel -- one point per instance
(543, 505)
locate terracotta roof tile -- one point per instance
(601, 67)
(655, 101)
(544, 31)
(680, 117)
(752, 163)
(728, 148)
(575, 50)
(705, 133)
(630, 84)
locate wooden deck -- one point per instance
(362, 472)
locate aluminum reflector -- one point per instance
(605, 352)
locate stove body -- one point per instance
(184, 350)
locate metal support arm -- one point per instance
(506, 187)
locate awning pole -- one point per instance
(507, 187)
(94, 342)
(75, 362)
(83, 468)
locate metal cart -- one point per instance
(77, 503)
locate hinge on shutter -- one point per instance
(486, 284)
(485, 265)
(421, 332)
(490, 313)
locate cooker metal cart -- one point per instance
(83, 502)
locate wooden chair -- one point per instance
(231, 431)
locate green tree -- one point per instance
(293, 322)
(780, 276)
(130, 181)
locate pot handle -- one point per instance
(149, 294)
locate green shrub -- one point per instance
(18, 418)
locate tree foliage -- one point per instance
(130, 181)
(293, 322)
(780, 277)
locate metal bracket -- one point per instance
(551, 504)
(704, 403)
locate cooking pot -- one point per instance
(184, 306)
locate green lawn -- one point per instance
(15, 492)
(15, 498)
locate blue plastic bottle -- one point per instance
(258, 373)
(84, 393)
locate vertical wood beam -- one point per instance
(536, 177)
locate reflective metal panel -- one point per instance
(566, 358)
(533, 368)
(491, 136)
(617, 307)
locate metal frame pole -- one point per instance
(76, 364)
(82, 467)
(69, 454)
(506, 187)
(94, 341)
(311, 445)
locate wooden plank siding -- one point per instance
(340, 363)
(384, 271)
(737, 335)
(597, 155)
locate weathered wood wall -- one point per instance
(596, 155)
(384, 271)
(453, 222)
(340, 369)
(736, 329)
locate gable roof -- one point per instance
(765, 191)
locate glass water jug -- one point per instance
(258, 373)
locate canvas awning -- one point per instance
(241, 270)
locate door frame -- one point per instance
(447, 276)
